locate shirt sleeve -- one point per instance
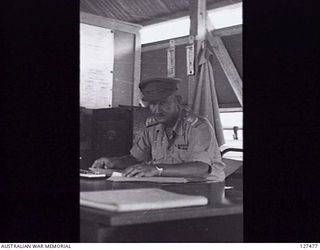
(203, 147)
(141, 149)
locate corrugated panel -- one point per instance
(135, 11)
(139, 11)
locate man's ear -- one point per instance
(179, 99)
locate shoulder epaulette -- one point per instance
(192, 119)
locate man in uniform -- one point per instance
(175, 142)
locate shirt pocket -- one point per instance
(181, 149)
(180, 154)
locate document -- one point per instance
(96, 66)
(125, 200)
(159, 179)
(108, 172)
(91, 174)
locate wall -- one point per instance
(233, 44)
(126, 71)
(123, 68)
(225, 93)
(154, 64)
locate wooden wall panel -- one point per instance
(234, 46)
(154, 64)
(123, 68)
(226, 95)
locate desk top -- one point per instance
(221, 202)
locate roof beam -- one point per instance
(165, 44)
(227, 65)
(108, 23)
(225, 61)
(228, 31)
(219, 4)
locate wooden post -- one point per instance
(137, 71)
(225, 61)
(198, 29)
(198, 19)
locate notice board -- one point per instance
(96, 66)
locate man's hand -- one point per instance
(102, 163)
(140, 170)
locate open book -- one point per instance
(138, 199)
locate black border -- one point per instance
(40, 121)
(281, 125)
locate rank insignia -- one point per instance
(182, 146)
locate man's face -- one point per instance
(165, 111)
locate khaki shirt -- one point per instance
(192, 139)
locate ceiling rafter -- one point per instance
(144, 12)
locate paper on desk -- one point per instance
(116, 174)
(108, 172)
(117, 178)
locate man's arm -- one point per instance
(114, 162)
(123, 162)
(203, 158)
(189, 169)
(139, 152)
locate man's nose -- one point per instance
(157, 108)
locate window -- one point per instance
(226, 16)
(229, 121)
(165, 30)
(221, 17)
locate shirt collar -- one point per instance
(178, 126)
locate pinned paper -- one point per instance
(171, 51)
(190, 59)
(96, 66)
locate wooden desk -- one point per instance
(99, 225)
